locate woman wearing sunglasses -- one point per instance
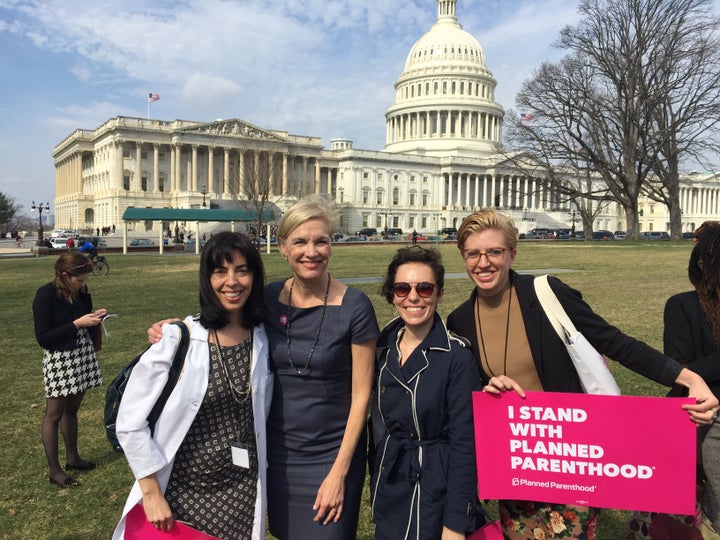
(423, 474)
(518, 349)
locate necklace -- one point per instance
(482, 338)
(317, 334)
(238, 395)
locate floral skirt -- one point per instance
(523, 520)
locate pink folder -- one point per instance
(137, 527)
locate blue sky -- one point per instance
(324, 68)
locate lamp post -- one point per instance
(386, 213)
(204, 192)
(40, 209)
(572, 229)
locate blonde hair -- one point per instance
(310, 207)
(485, 219)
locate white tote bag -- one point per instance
(590, 365)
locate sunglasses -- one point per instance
(424, 289)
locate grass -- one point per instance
(627, 283)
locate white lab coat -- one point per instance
(146, 454)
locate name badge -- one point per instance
(240, 455)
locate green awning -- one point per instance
(194, 214)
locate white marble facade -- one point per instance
(440, 161)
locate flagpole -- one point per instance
(148, 105)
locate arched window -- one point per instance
(396, 196)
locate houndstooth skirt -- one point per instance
(71, 372)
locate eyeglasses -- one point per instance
(424, 289)
(493, 254)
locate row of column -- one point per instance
(700, 201)
(68, 175)
(486, 190)
(196, 167)
(443, 123)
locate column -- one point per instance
(119, 165)
(137, 182)
(156, 168)
(211, 171)
(173, 170)
(241, 172)
(317, 176)
(178, 169)
(255, 182)
(284, 174)
(194, 169)
(226, 172)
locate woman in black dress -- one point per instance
(63, 314)
(322, 343)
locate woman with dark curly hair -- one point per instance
(423, 479)
(63, 314)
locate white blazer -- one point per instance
(148, 454)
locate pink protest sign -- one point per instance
(632, 453)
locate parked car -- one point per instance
(620, 235)
(394, 232)
(354, 239)
(655, 235)
(448, 230)
(63, 233)
(367, 231)
(141, 242)
(58, 242)
(688, 236)
(539, 234)
(602, 235)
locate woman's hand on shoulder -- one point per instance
(155, 331)
(503, 383)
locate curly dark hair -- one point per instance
(216, 252)
(704, 273)
(412, 254)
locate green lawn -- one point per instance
(626, 282)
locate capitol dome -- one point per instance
(444, 98)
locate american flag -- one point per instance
(526, 117)
(152, 98)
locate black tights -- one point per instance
(61, 412)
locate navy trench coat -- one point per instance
(423, 472)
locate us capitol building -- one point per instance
(440, 161)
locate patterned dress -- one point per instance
(206, 489)
(70, 366)
(70, 372)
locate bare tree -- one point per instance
(261, 178)
(685, 87)
(606, 102)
